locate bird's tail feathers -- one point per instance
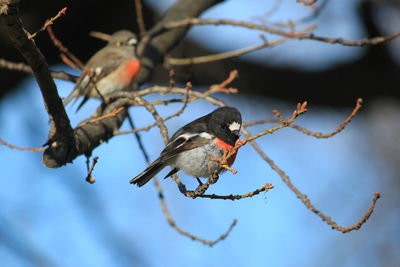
(147, 174)
(73, 94)
(79, 89)
(84, 100)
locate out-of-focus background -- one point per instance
(52, 217)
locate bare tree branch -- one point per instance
(307, 2)
(306, 201)
(152, 51)
(172, 223)
(89, 178)
(94, 131)
(311, 133)
(338, 129)
(22, 67)
(65, 143)
(139, 17)
(48, 22)
(265, 188)
(88, 128)
(301, 108)
(61, 134)
(100, 35)
(69, 58)
(4, 143)
(291, 34)
(159, 40)
(230, 54)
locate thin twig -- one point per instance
(76, 63)
(338, 129)
(148, 127)
(252, 123)
(139, 17)
(171, 80)
(306, 201)
(316, 11)
(311, 133)
(69, 62)
(273, 9)
(284, 177)
(230, 54)
(200, 190)
(290, 34)
(150, 108)
(105, 116)
(49, 22)
(4, 143)
(22, 67)
(220, 56)
(139, 140)
(100, 35)
(195, 95)
(307, 2)
(89, 178)
(172, 223)
(301, 108)
(92, 80)
(233, 74)
(265, 188)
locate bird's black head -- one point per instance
(123, 38)
(225, 123)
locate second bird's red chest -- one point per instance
(131, 70)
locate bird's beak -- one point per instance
(236, 132)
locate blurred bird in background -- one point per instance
(113, 68)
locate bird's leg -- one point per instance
(200, 182)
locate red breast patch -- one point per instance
(220, 143)
(131, 70)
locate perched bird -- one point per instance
(113, 68)
(192, 146)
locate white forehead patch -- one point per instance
(234, 126)
(132, 41)
(97, 71)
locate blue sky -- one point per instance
(57, 213)
(337, 19)
(54, 217)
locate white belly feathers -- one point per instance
(196, 162)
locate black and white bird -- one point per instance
(192, 146)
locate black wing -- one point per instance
(182, 143)
(199, 125)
